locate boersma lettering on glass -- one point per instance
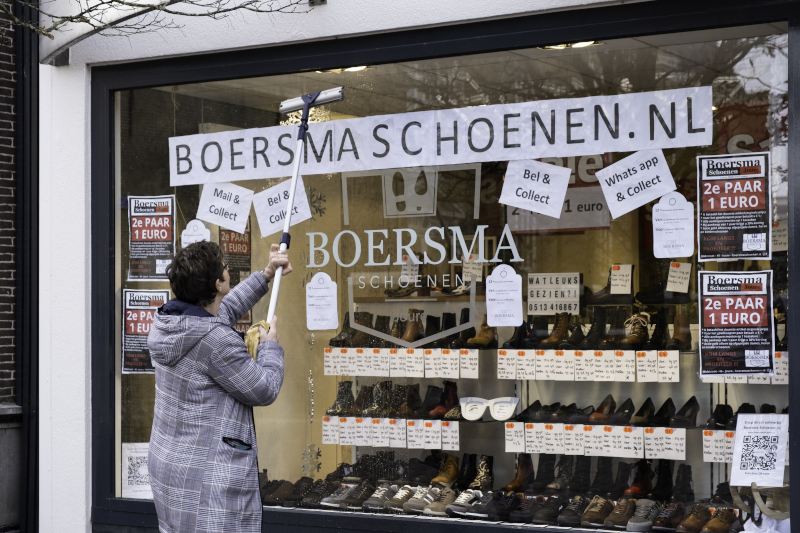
(139, 310)
(734, 209)
(736, 327)
(151, 227)
(673, 118)
(236, 250)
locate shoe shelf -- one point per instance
(409, 299)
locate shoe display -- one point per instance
(469, 469)
(545, 474)
(581, 416)
(438, 507)
(639, 333)
(581, 477)
(558, 334)
(301, 489)
(574, 338)
(377, 502)
(572, 514)
(363, 400)
(541, 327)
(356, 499)
(516, 338)
(272, 486)
(433, 326)
(621, 482)
(345, 334)
(414, 329)
(486, 339)
(597, 330)
(381, 399)
(603, 411)
(276, 496)
(321, 489)
(528, 413)
(664, 414)
(596, 512)
(335, 499)
(604, 296)
(448, 472)
(448, 323)
(395, 503)
(546, 412)
(603, 478)
(658, 340)
(645, 515)
(697, 517)
(721, 521)
(447, 400)
(745, 408)
(421, 499)
(463, 503)
(382, 325)
(686, 417)
(722, 496)
(524, 473)
(644, 416)
(480, 509)
(659, 295)
(525, 510)
(465, 335)
(564, 471)
(616, 329)
(502, 508)
(683, 489)
(767, 408)
(662, 490)
(669, 518)
(621, 514)
(551, 510)
(681, 334)
(622, 416)
(484, 479)
(361, 339)
(420, 472)
(344, 399)
(642, 481)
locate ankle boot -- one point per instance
(662, 490)
(412, 399)
(433, 326)
(465, 335)
(530, 336)
(581, 478)
(398, 327)
(560, 329)
(621, 482)
(448, 471)
(484, 479)
(564, 470)
(683, 491)
(414, 329)
(380, 397)
(545, 474)
(432, 397)
(661, 333)
(541, 327)
(345, 334)
(469, 469)
(396, 403)
(382, 324)
(639, 333)
(361, 339)
(659, 293)
(643, 479)
(601, 484)
(616, 330)
(597, 331)
(681, 335)
(448, 323)
(448, 400)
(363, 400)
(486, 339)
(344, 399)
(524, 473)
(575, 337)
(516, 338)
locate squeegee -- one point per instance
(305, 102)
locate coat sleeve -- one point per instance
(243, 297)
(250, 382)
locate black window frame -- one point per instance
(593, 23)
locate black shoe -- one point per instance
(687, 416)
(602, 483)
(745, 408)
(683, 490)
(662, 491)
(658, 340)
(527, 414)
(581, 416)
(644, 416)
(574, 338)
(381, 397)
(722, 497)
(465, 335)
(664, 414)
(597, 331)
(481, 509)
(622, 416)
(301, 489)
(469, 469)
(572, 513)
(344, 399)
(783, 344)
(525, 510)
(321, 489)
(484, 479)
(345, 334)
(516, 338)
(357, 498)
(544, 414)
(564, 471)
(767, 408)
(501, 511)
(432, 397)
(621, 482)
(563, 413)
(433, 326)
(448, 322)
(580, 481)
(420, 472)
(545, 474)
(660, 295)
(550, 511)
(721, 416)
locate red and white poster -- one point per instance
(236, 251)
(139, 308)
(151, 226)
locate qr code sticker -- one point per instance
(759, 452)
(137, 471)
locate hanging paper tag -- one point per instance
(469, 363)
(450, 435)
(604, 365)
(506, 364)
(397, 432)
(415, 363)
(665, 443)
(363, 431)
(632, 441)
(536, 187)
(553, 439)
(226, 205)
(621, 279)
(647, 366)
(759, 450)
(515, 437)
(470, 268)
(195, 231)
(634, 181)
(321, 309)
(347, 431)
(330, 430)
(504, 297)
(448, 364)
(673, 227)
(432, 434)
(410, 268)
(381, 359)
(780, 236)
(669, 364)
(271, 204)
(679, 274)
(380, 439)
(397, 363)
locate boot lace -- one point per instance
(666, 512)
(420, 493)
(442, 496)
(637, 321)
(644, 511)
(576, 504)
(507, 500)
(596, 504)
(466, 496)
(403, 492)
(381, 491)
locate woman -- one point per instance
(203, 451)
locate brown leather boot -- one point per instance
(361, 339)
(639, 333)
(397, 329)
(721, 522)
(681, 335)
(448, 472)
(616, 329)
(448, 400)
(560, 330)
(698, 516)
(414, 328)
(363, 400)
(524, 473)
(486, 339)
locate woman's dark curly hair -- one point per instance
(194, 272)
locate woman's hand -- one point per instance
(277, 259)
(273, 331)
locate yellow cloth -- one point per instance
(253, 337)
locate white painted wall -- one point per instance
(65, 276)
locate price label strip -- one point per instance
(515, 437)
(506, 365)
(330, 430)
(573, 440)
(584, 365)
(625, 365)
(526, 364)
(432, 434)
(564, 365)
(665, 443)
(397, 433)
(469, 363)
(669, 366)
(647, 366)
(450, 435)
(416, 434)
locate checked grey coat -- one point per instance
(206, 385)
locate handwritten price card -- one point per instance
(515, 437)
(397, 432)
(432, 434)
(573, 439)
(781, 376)
(330, 430)
(415, 363)
(526, 364)
(469, 362)
(564, 365)
(506, 364)
(647, 366)
(669, 366)
(665, 443)
(450, 435)
(397, 362)
(415, 431)
(625, 365)
(584, 365)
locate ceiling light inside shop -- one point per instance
(581, 44)
(355, 69)
(340, 70)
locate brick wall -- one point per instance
(7, 209)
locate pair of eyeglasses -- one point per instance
(472, 408)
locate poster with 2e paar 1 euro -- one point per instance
(151, 236)
(737, 331)
(734, 219)
(139, 308)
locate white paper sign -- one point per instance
(673, 227)
(381, 433)
(526, 364)
(554, 293)
(584, 365)
(629, 440)
(605, 365)
(470, 268)
(780, 236)
(415, 431)
(432, 434)
(759, 451)
(678, 279)
(415, 363)
(553, 439)
(397, 433)
(515, 437)
(781, 376)
(363, 431)
(665, 443)
(410, 268)
(506, 364)
(625, 365)
(545, 363)
(271, 205)
(504, 297)
(380, 362)
(621, 279)
(195, 231)
(573, 439)
(564, 365)
(321, 309)
(397, 363)
(226, 205)
(536, 187)
(347, 431)
(448, 363)
(450, 435)
(635, 180)
(469, 363)
(135, 473)
(718, 445)
(669, 365)
(647, 366)
(330, 430)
